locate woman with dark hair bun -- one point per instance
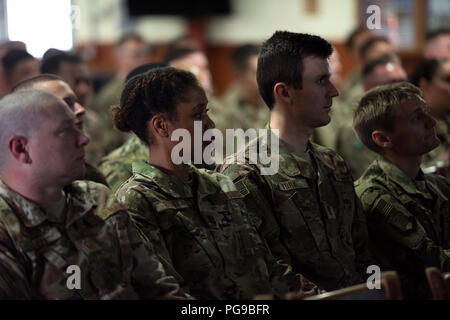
(433, 77)
(194, 218)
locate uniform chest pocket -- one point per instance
(292, 197)
(188, 243)
(345, 201)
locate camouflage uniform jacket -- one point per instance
(409, 221)
(238, 113)
(94, 233)
(102, 102)
(309, 216)
(116, 166)
(202, 234)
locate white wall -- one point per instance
(256, 20)
(252, 20)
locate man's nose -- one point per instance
(83, 139)
(79, 110)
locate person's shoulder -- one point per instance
(333, 160)
(440, 182)
(9, 222)
(220, 180)
(102, 198)
(86, 187)
(225, 188)
(137, 189)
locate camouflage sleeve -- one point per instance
(13, 280)
(115, 173)
(360, 237)
(257, 197)
(148, 276)
(407, 238)
(147, 227)
(140, 263)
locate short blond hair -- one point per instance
(376, 110)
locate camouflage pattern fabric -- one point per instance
(200, 230)
(116, 166)
(94, 233)
(357, 156)
(409, 222)
(237, 113)
(307, 212)
(93, 128)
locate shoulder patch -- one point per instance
(242, 188)
(395, 217)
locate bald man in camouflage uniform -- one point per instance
(407, 210)
(51, 225)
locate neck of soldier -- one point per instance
(42, 192)
(161, 159)
(294, 135)
(409, 165)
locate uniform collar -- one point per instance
(417, 186)
(31, 215)
(205, 183)
(290, 163)
(171, 185)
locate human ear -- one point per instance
(158, 124)
(381, 139)
(281, 91)
(18, 147)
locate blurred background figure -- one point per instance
(130, 52)
(376, 47)
(353, 45)
(191, 59)
(4, 48)
(336, 69)
(437, 45)
(242, 105)
(72, 69)
(433, 77)
(18, 65)
(383, 70)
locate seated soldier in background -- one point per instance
(194, 218)
(353, 43)
(358, 157)
(243, 106)
(18, 65)
(433, 77)
(307, 210)
(437, 45)
(130, 52)
(50, 222)
(72, 69)
(56, 86)
(117, 165)
(407, 211)
(5, 47)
